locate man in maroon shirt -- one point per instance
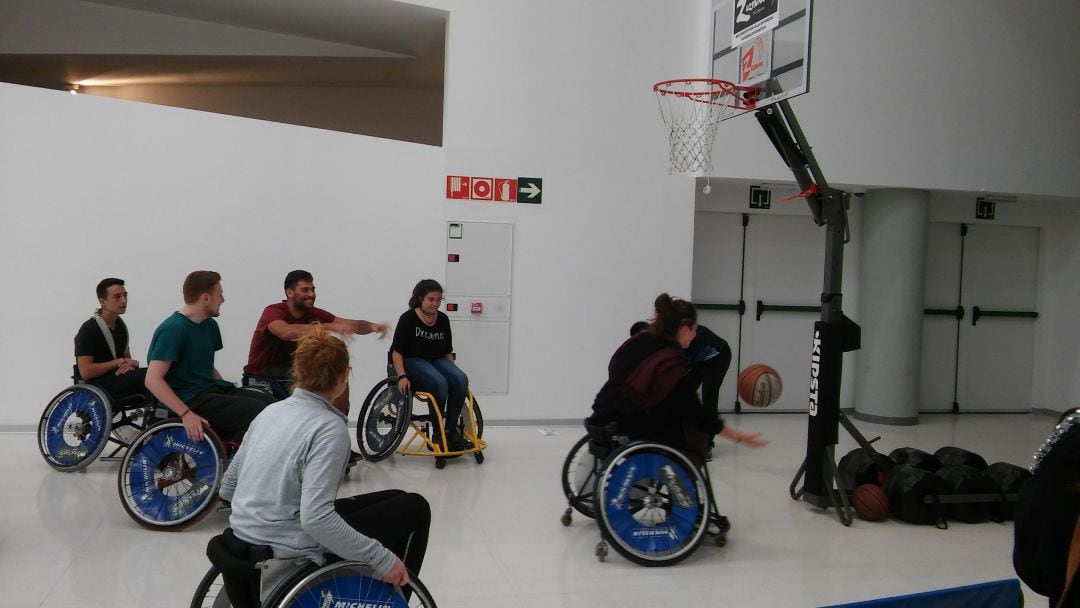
(281, 325)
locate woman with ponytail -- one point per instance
(648, 394)
(283, 482)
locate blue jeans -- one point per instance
(442, 378)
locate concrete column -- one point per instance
(891, 286)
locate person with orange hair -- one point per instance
(284, 480)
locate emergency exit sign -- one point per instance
(760, 198)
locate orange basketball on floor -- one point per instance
(759, 385)
(870, 502)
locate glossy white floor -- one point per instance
(496, 538)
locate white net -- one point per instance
(692, 110)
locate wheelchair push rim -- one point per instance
(579, 478)
(383, 421)
(349, 584)
(652, 504)
(75, 427)
(168, 482)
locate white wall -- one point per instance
(94, 187)
(958, 95)
(558, 91)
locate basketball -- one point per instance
(870, 502)
(759, 385)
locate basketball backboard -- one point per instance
(764, 44)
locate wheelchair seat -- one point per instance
(238, 562)
(278, 387)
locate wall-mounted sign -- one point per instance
(760, 198)
(495, 189)
(984, 208)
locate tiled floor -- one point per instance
(496, 537)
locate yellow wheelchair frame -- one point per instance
(386, 418)
(419, 442)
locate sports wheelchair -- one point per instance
(652, 503)
(83, 419)
(256, 579)
(387, 415)
(168, 482)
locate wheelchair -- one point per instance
(83, 420)
(299, 583)
(168, 482)
(387, 416)
(651, 502)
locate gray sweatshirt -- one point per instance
(284, 480)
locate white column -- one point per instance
(892, 281)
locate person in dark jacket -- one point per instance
(649, 393)
(1046, 515)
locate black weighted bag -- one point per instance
(906, 486)
(1009, 479)
(915, 457)
(950, 456)
(857, 467)
(963, 479)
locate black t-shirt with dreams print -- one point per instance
(414, 338)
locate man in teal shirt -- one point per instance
(181, 372)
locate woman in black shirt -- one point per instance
(422, 354)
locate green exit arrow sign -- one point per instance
(529, 189)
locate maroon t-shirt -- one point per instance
(269, 353)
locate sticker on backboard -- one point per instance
(750, 18)
(755, 60)
(774, 59)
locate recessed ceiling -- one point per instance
(357, 47)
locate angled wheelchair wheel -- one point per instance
(579, 477)
(464, 425)
(75, 427)
(168, 482)
(652, 504)
(211, 591)
(383, 420)
(349, 584)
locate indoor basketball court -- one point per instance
(881, 237)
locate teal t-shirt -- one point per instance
(190, 347)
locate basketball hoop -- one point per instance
(692, 108)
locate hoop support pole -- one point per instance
(834, 333)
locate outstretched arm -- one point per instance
(294, 331)
(363, 328)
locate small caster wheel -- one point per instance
(440, 463)
(479, 456)
(720, 541)
(601, 551)
(567, 519)
(724, 523)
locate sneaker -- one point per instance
(456, 443)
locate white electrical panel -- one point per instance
(477, 300)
